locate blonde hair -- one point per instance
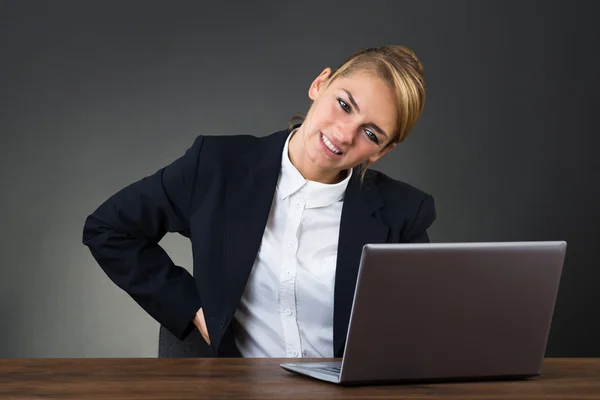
(401, 70)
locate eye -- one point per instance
(344, 105)
(372, 137)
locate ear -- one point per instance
(377, 156)
(319, 83)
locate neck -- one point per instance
(298, 158)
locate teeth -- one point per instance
(330, 145)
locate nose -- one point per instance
(345, 132)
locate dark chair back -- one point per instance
(192, 346)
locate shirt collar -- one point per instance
(317, 194)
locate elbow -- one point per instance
(92, 228)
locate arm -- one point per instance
(425, 216)
(123, 235)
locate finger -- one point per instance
(203, 328)
(205, 337)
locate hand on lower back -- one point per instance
(200, 323)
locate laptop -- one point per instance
(447, 311)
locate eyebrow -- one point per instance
(371, 124)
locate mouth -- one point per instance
(330, 146)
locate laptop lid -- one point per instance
(452, 310)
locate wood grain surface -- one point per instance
(213, 378)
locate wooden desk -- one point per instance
(149, 378)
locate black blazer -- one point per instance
(219, 195)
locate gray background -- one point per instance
(96, 95)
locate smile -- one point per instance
(330, 145)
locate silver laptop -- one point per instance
(449, 311)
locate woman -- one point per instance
(277, 224)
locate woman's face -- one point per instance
(350, 121)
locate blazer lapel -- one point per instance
(248, 200)
(358, 227)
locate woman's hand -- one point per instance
(201, 325)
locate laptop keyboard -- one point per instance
(330, 370)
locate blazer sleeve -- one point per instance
(123, 235)
(425, 216)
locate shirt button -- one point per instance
(288, 311)
(291, 243)
(288, 273)
(298, 205)
(295, 354)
